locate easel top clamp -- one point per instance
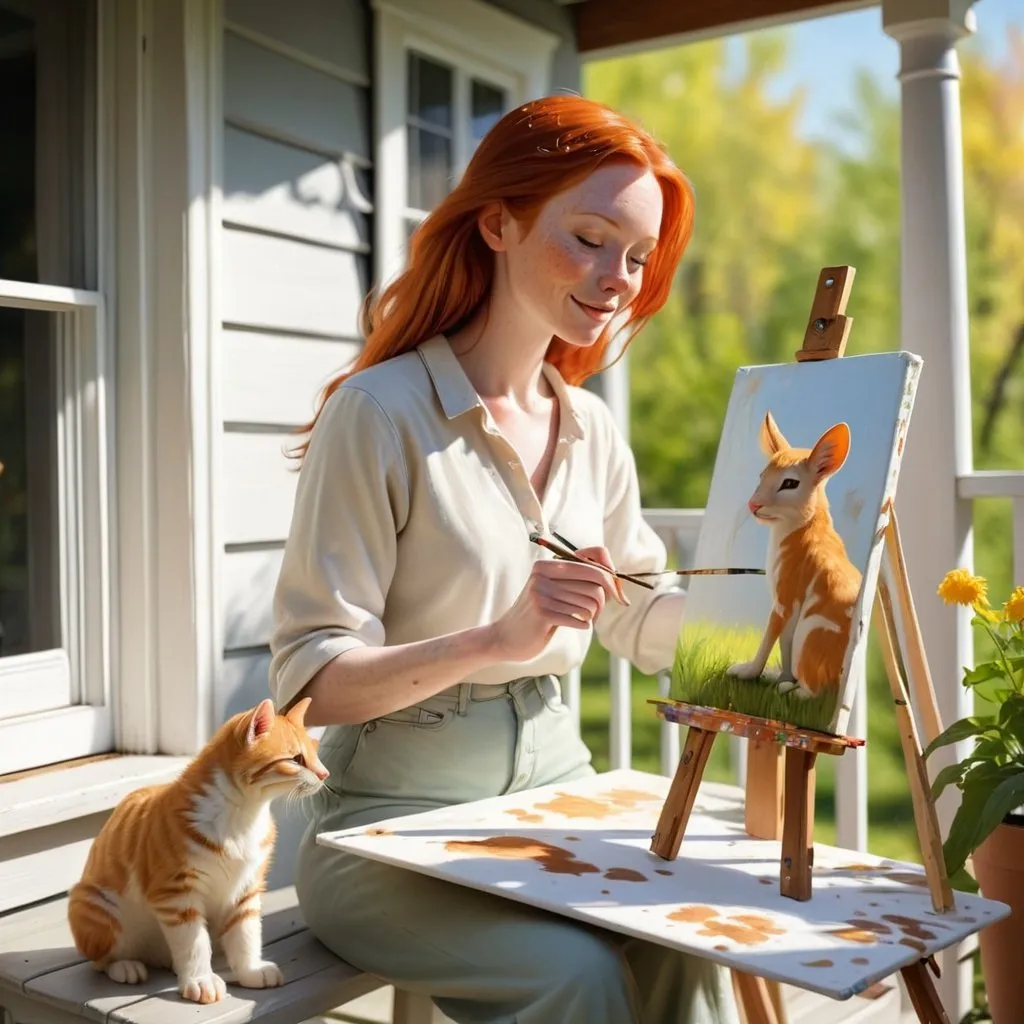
(780, 802)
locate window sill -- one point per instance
(56, 794)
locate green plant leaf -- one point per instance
(1015, 644)
(962, 830)
(1012, 708)
(962, 729)
(989, 754)
(963, 881)
(991, 689)
(981, 809)
(952, 774)
(982, 673)
(1007, 796)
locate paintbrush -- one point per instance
(636, 577)
(569, 555)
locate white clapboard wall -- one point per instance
(295, 266)
(297, 208)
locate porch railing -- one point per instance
(679, 528)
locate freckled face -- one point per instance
(583, 259)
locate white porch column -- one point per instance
(935, 523)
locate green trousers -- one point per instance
(482, 958)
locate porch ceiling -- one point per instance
(614, 26)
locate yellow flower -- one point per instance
(1013, 610)
(958, 586)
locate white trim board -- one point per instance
(168, 320)
(31, 740)
(51, 796)
(482, 31)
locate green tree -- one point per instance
(754, 244)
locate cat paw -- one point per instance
(262, 975)
(794, 688)
(744, 670)
(204, 988)
(127, 972)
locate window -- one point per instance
(447, 114)
(444, 79)
(54, 568)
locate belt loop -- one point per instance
(463, 699)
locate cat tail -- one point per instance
(95, 924)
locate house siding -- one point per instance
(295, 267)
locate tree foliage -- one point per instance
(773, 208)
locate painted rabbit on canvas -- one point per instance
(814, 585)
(177, 871)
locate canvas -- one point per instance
(806, 468)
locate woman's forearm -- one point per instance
(368, 682)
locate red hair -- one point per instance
(534, 152)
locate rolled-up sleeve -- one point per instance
(339, 559)
(646, 632)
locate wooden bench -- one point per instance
(44, 980)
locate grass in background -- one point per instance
(699, 676)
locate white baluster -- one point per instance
(852, 779)
(620, 725)
(573, 695)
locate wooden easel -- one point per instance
(780, 801)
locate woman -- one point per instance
(459, 431)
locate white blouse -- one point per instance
(412, 520)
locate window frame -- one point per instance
(463, 74)
(61, 698)
(476, 40)
(155, 263)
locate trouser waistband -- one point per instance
(464, 693)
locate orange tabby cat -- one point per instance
(179, 869)
(814, 584)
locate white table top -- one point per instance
(582, 850)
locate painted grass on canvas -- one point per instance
(703, 656)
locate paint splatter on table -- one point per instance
(582, 850)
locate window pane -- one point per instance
(430, 91)
(29, 543)
(430, 168)
(17, 149)
(45, 175)
(47, 159)
(487, 104)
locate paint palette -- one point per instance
(582, 850)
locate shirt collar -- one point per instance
(454, 390)
(457, 394)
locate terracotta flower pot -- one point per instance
(999, 869)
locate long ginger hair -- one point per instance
(534, 152)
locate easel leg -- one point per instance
(668, 836)
(753, 995)
(923, 996)
(798, 825)
(763, 800)
(925, 818)
(916, 661)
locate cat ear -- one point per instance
(297, 713)
(829, 454)
(772, 439)
(261, 721)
